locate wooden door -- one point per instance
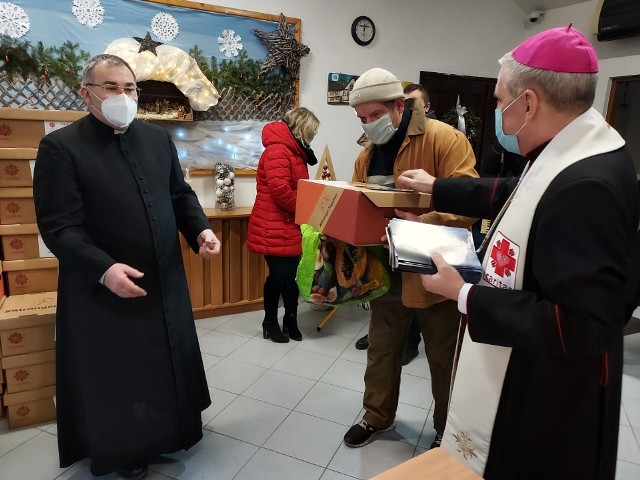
(476, 93)
(622, 113)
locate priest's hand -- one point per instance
(417, 180)
(406, 215)
(446, 282)
(118, 280)
(208, 243)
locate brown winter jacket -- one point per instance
(441, 151)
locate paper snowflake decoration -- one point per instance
(164, 26)
(230, 43)
(14, 21)
(88, 12)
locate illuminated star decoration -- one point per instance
(284, 49)
(146, 44)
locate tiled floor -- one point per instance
(279, 411)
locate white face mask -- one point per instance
(381, 130)
(118, 110)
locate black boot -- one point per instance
(290, 326)
(272, 330)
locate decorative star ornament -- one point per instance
(284, 49)
(147, 44)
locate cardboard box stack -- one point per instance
(29, 273)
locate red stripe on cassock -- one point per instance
(493, 192)
(604, 376)
(557, 310)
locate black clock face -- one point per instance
(363, 30)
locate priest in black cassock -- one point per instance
(110, 199)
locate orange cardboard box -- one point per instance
(29, 371)
(27, 323)
(33, 275)
(23, 127)
(17, 205)
(32, 406)
(355, 213)
(16, 166)
(22, 241)
(436, 463)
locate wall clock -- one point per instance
(363, 30)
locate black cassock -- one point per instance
(130, 379)
(559, 410)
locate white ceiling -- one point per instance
(544, 5)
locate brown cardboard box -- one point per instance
(3, 292)
(22, 241)
(27, 323)
(436, 463)
(17, 205)
(22, 127)
(355, 213)
(33, 275)
(16, 166)
(32, 406)
(29, 371)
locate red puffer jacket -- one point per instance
(272, 230)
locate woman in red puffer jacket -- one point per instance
(272, 228)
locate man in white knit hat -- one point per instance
(398, 137)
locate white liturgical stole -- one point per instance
(481, 367)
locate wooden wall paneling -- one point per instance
(216, 266)
(196, 269)
(226, 261)
(257, 274)
(245, 261)
(235, 259)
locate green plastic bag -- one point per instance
(332, 272)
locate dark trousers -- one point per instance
(388, 329)
(413, 339)
(281, 282)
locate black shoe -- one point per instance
(290, 326)
(363, 343)
(135, 472)
(272, 330)
(436, 442)
(362, 434)
(408, 356)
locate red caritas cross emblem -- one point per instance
(11, 170)
(16, 338)
(5, 130)
(502, 262)
(21, 375)
(502, 258)
(22, 279)
(16, 244)
(13, 207)
(23, 411)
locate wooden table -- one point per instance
(435, 464)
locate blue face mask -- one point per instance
(509, 142)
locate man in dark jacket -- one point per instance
(110, 199)
(538, 383)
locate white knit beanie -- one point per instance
(375, 85)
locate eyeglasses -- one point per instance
(112, 89)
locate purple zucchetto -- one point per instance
(562, 49)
